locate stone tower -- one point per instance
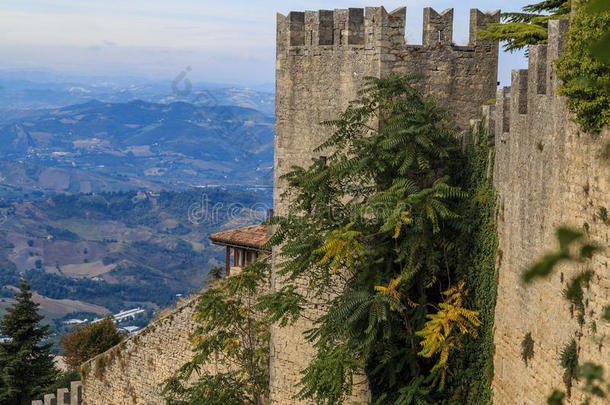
(322, 58)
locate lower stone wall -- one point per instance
(130, 373)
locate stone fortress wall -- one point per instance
(322, 59)
(547, 173)
(130, 373)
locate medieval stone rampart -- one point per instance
(323, 57)
(547, 173)
(131, 372)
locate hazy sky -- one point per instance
(222, 41)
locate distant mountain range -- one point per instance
(98, 208)
(28, 90)
(101, 146)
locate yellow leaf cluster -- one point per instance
(405, 219)
(391, 291)
(340, 247)
(199, 338)
(440, 330)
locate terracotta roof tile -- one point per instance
(254, 236)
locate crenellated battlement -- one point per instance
(64, 396)
(372, 27)
(546, 172)
(530, 88)
(339, 27)
(438, 28)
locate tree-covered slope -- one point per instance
(99, 146)
(117, 250)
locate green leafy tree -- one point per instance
(528, 27)
(26, 364)
(585, 67)
(383, 226)
(63, 381)
(87, 341)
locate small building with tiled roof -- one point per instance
(243, 245)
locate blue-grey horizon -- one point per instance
(227, 42)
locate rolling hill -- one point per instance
(112, 251)
(100, 146)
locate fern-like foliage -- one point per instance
(391, 292)
(374, 233)
(234, 337)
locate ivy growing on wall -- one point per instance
(472, 384)
(569, 362)
(574, 248)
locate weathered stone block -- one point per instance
(50, 399)
(63, 396)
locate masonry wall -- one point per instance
(547, 173)
(322, 58)
(133, 370)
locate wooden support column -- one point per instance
(228, 262)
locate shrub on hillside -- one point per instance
(87, 341)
